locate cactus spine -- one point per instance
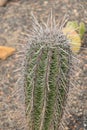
(48, 64)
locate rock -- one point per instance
(3, 2)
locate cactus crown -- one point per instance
(48, 65)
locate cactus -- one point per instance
(48, 66)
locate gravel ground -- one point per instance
(15, 19)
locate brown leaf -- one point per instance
(6, 51)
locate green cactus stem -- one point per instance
(48, 65)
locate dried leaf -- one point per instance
(73, 24)
(6, 51)
(74, 37)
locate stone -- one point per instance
(3, 2)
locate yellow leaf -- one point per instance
(74, 37)
(6, 51)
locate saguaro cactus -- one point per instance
(48, 65)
